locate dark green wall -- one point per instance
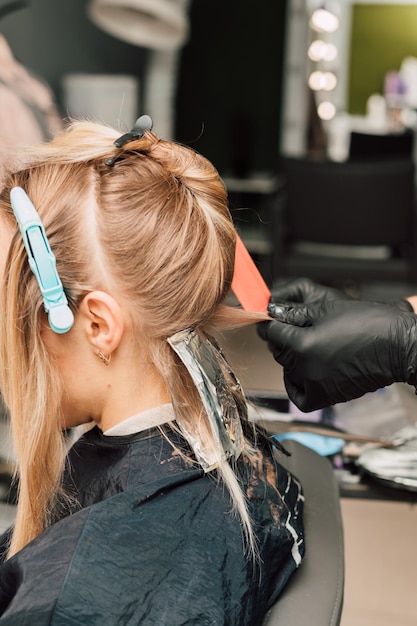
(382, 35)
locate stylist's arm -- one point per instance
(339, 350)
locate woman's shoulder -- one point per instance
(148, 552)
(99, 467)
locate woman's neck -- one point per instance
(132, 392)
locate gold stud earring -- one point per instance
(104, 358)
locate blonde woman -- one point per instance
(170, 508)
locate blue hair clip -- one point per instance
(42, 261)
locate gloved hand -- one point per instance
(306, 291)
(340, 350)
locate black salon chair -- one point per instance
(365, 146)
(351, 221)
(314, 593)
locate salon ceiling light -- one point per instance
(325, 81)
(326, 110)
(324, 21)
(321, 51)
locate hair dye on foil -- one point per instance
(202, 359)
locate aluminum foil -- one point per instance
(202, 359)
(397, 465)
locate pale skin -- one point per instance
(105, 394)
(93, 391)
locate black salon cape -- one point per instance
(155, 542)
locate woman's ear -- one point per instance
(102, 321)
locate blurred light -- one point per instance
(321, 51)
(316, 81)
(322, 80)
(323, 21)
(326, 110)
(331, 52)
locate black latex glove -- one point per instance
(306, 291)
(340, 350)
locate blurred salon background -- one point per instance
(309, 111)
(296, 102)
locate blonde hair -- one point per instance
(155, 226)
